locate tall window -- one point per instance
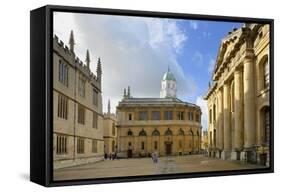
(130, 117)
(197, 118)
(61, 147)
(142, 145)
(95, 97)
(155, 115)
(94, 146)
(81, 86)
(95, 120)
(63, 73)
(210, 116)
(180, 115)
(81, 114)
(214, 113)
(168, 115)
(113, 129)
(155, 145)
(62, 106)
(190, 116)
(142, 115)
(80, 145)
(267, 125)
(266, 74)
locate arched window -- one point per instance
(142, 133)
(155, 133)
(130, 133)
(190, 132)
(181, 132)
(168, 132)
(266, 74)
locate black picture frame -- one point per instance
(41, 82)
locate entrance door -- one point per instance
(130, 153)
(168, 148)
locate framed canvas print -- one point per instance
(121, 95)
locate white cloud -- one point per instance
(193, 25)
(134, 51)
(204, 109)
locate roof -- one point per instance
(154, 101)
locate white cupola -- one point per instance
(168, 85)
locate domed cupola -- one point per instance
(168, 85)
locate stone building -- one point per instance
(77, 108)
(204, 141)
(165, 125)
(238, 99)
(110, 132)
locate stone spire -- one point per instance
(108, 107)
(125, 94)
(129, 92)
(99, 72)
(88, 59)
(71, 41)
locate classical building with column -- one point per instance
(165, 125)
(109, 131)
(77, 108)
(238, 98)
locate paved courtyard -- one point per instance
(145, 166)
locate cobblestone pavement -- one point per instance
(145, 166)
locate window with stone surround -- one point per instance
(142, 145)
(63, 73)
(130, 117)
(266, 74)
(81, 114)
(62, 106)
(190, 116)
(80, 145)
(61, 147)
(210, 116)
(168, 115)
(81, 86)
(155, 145)
(142, 115)
(113, 129)
(94, 146)
(197, 118)
(155, 115)
(95, 120)
(95, 97)
(180, 115)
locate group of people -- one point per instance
(111, 156)
(154, 157)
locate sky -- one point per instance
(137, 51)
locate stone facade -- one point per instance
(77, 108)
(110, 132)
(167, 126)
(238, 99)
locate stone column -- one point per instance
(249, 106)
(220, 122)
(226, 123)
(238, 131)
